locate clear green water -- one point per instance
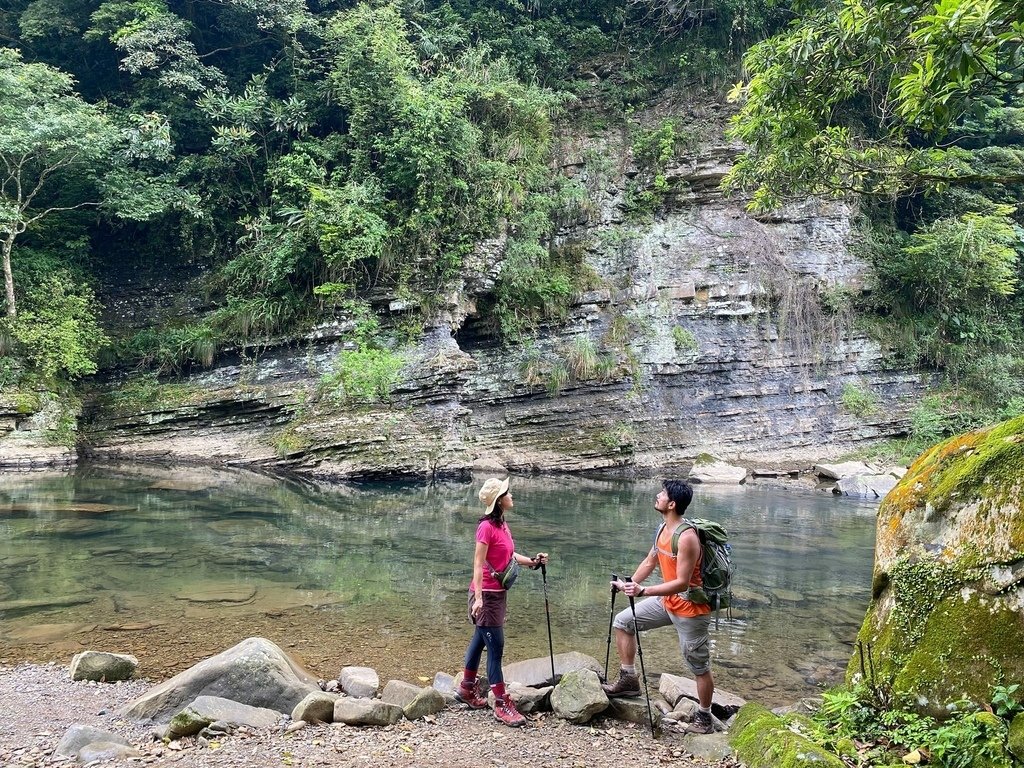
(176, 565)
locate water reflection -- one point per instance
(177, 564)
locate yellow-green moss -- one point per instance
(764, 740)
(1015, 739)
(985, 464)
(967, 647)
(990, 748)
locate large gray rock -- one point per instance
(78, 736)
(537, 672)
(362, 711)
(674, 688)
(211, 709)
(317, 707)
(102, 666)
(359, 681)
(254, 672)
(579, 696)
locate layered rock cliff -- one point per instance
(709, 320)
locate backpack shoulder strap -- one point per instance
(682, 528)
(657, 533)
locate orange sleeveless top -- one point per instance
(667, 563)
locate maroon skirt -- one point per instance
(493, 613)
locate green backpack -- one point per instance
(716, 567)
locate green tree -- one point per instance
(857, 96)
(47, 135)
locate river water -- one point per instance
(174, 565)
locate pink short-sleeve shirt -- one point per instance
(500, 547)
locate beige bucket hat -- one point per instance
(492, 490)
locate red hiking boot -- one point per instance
(470, 696)
(506, 711)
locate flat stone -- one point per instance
(361, 711)
(223, 593)
(212, 709)
(717, 471)
(674, 688)
(866, 486)
(842, 469)
(787, 595)
(633, 710)
(10, 608)
(45, 633)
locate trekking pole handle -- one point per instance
(614, 579)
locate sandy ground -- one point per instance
(39, 702)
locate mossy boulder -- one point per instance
(765, 740)
(1015, 739)
(946, 621)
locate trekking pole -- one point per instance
(640, 653)
(611, 618)
(547, 613)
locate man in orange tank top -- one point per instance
(667, 604)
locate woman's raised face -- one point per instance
(505, 502)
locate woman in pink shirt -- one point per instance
(488, 600)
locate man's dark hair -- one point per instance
(679, 492)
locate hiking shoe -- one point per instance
(701, 723)
(628, 684)
(506, 711)
(470, 696)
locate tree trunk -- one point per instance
(8, 246)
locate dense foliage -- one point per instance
(302, 154)
(862, 727)
(916, 107)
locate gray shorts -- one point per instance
(693, 631)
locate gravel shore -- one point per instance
(39, 702)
